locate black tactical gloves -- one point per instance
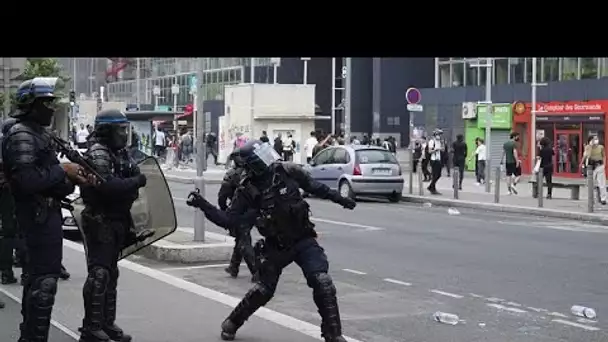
(347, 203)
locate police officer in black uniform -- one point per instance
(107, 223)
(38, 183)
(242, 236)
(8, 229)
(269, 197)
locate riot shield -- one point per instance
(153, 212)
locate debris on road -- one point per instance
(427, 204)
(582, 311)
(453, 211)
(446, 318)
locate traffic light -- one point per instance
(72, 98)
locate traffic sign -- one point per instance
(413, 96)
(414, 107)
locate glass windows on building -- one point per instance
(454, 72)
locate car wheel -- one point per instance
(346, 190)
(394, 197)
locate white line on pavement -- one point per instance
(474, 295)
(193, 267)
(57, 325)
(536, 309)
(573, 324)
(265, 313)
(557, 314)
(398, 282)
(353, 271)
(448, 294)
(506, 308)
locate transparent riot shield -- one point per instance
(153, 213)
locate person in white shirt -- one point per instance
(159, 142)
(81, 137)
(435, 148)
(309, 146)
(481, 154)
(288, 148)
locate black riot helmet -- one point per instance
(111, 127)
(257, 156)
(37, 100)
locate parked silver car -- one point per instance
(358, 170)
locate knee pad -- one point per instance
(97, 280)
(322, 284)
(43, 291)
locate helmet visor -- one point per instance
(266, 156)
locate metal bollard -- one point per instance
(420, 182)
(455, 181)
(590, 190)
(539, 187)
(412, 171)
(496, 185)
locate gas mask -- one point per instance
(119, 136)
(43, 109)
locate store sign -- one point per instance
(570, 118)
(572, 107)
(502, 115)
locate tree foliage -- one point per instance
(40, 67)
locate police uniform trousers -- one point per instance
(311, 258)
(105, 238)
(44, 242)
(243, 250)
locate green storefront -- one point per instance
(502, 121)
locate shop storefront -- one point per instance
(475, 127)
(567, 125)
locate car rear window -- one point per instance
(375, 157)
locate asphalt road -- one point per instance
(508, 278)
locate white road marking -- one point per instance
(398, 282)
(495, 300)
(506, 308)
(586, 320)
(194, 267)
(513, 304)
(474, 295)
(536, 309)
(557, 314)
(573, 324)
(265, 313)
(57, 325)
(448, 294)
(353, 271)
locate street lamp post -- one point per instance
(533, 111)
(201, 158)
(489, 112)
(347, 96)
(175, 92)
(276, 63)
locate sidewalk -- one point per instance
(474, 196)
(157, 307)
(186, 175)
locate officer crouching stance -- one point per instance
(269, 197)
(242, 236)
(38, 183)
(106, 221)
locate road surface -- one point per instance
(508, 278)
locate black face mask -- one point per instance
(119, 137)
(43, 110)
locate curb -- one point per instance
(506, 208)
(189, 180)
(219, 250)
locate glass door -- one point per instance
(568, 153)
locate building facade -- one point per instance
(570, 108)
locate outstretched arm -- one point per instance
(318, 189)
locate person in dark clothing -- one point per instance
(8, 230)
(416, 155)
(269, 197)
(242, 236)
(264, 137)
(426, 159)
(278, 144)
(459, 156)
(445, 157)
(435, 149)
(210, 143)
(545, 155)
(38, 184)
(107, 224)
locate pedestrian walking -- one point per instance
(594, 157)
(512, 162)
(435, 148)
(459, 155)
(545, 157)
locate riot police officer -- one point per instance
(106, 223)
(38, 182)
(269, 197)
(242, 236)
(8, 229)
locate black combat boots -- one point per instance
(114, 332)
